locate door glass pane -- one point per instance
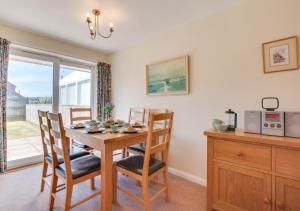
(71, 94)
(74, 88)
(63, 94)
(84, 89)
(29, 89)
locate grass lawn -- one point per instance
(22, 129)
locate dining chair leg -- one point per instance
(138, 183)
(69, 190)
(115, 184)
(93, 183)
(124, 153)
(54, 181)
(166, 183)
(146, 195)
(44, 175)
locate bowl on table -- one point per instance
(219, 125)
(130, 130)
(114, 129)
(119, 123)
(138, 125)
(91, 123)
(77, 126)
(108, 123)
(94, 129)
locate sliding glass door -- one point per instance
(29, 89)
(39, 82)
(74, 90)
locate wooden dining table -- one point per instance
(107, 143)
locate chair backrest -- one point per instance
(43, 122)
(163, 136)
(160, 124)
(136, 115)
(60, 142)
(80, 114)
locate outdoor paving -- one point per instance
(23, 148)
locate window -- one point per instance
(84, 92)
(38, 81)
(75, 89)
(29, 89)
(75, 86)
(63, 95)
(71, 94)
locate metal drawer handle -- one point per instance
(267, 201)
(281, 205)
(240, 154)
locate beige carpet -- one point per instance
(19, 191)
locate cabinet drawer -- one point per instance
(287, 162)
(245, 154)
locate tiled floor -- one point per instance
(23, 148)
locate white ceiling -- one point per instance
(134, 20)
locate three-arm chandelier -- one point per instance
(94, 26)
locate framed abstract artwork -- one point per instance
(168, 77)
(280, 55)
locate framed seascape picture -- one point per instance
(168, 77)
(280, 55)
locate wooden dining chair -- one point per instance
(71, 172)
(140, 148)
(79, 115)
(146, 168)
(135, 115)
(48, 148)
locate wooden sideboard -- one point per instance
(252, 172)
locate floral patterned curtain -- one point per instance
(103, 89)
(4, 54)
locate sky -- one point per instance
(32, 80)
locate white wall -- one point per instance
(225, 72)
(41, 42)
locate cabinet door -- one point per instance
(238, 189)
(287, 194)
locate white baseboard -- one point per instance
(188, 176)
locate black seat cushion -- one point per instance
(74, 153)
(81, 166)
(138, 148)
(135, 164)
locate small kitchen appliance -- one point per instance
(272, 121)
(232, 120)
(252, 122)
(292, 124)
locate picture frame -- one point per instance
(280, 55)
(168, 77)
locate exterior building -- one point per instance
(16, 104)
(75, 88)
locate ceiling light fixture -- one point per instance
(94, 27)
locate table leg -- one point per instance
(106, 178)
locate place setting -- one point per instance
(108, 126)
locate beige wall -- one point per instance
(225, 72)
(40, 42)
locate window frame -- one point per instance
(60, 60)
